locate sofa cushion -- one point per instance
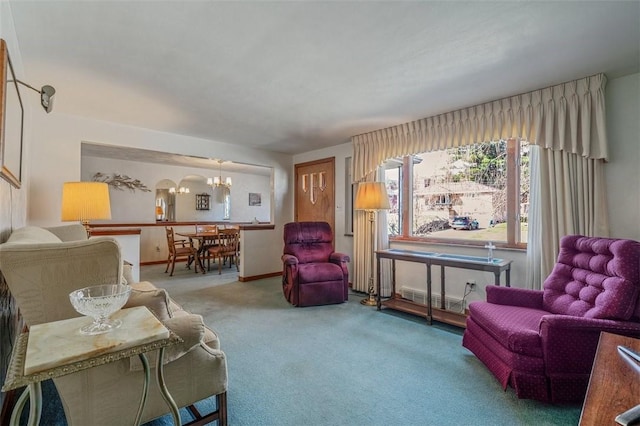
(319, 272)
(32, 235)
(156, 300)
(516, 328)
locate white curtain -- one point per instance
(534, 236)
(566, 121)
(568, 117)
(573, 201)
(362, 246)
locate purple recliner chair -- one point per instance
(313, 273)
(542, 343)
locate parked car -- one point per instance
(464, 222)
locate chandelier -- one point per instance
(181, 190)
(217, 181)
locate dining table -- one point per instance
(205, 239)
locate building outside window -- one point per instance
(462, 194)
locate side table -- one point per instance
(614, 386)
(57, 348)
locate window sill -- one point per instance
(455, 243)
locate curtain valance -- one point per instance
(568, 117)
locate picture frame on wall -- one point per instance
(11, 121)
(255, 199)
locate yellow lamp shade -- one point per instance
(84, 201)
(372, 196)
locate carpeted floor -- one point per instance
(344, 364)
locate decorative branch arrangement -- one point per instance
(120, 182)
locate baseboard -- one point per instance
(259, 277)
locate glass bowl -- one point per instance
(99, 302)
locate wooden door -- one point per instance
(315, 191)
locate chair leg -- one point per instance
(168, 263)
(220, 414)
(221, 400)
(173, 264)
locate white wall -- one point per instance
(138, 206)
(55, 158)
(623, 170)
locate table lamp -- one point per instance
(371, 197)
(85, 201)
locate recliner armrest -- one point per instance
(336, 257)
(288, 259)
(512, 296)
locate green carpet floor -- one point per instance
(344, 364)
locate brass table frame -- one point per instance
(15, 377)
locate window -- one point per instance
(392, 173)
(463, 193)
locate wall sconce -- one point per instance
(46, 95)
(312, 181)
(218, 181)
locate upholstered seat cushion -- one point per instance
(319, 272)
(516, 328)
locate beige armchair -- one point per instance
(43, 266)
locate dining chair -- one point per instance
(181, 248)
(206, 241)
(227, 247)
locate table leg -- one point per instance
(496, 278)
(34, 393)
(35, 403)
(508, 276)
(429, 310)
(442, 290)
(145, 387)
(164, 391)
(378, 286)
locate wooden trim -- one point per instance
(259, 277)
(106, 232)
(245, 226)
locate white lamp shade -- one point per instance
(84, 201)
(372, 196)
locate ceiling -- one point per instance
(297, 76)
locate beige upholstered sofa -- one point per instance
(42, 266)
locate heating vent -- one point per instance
(420, 296)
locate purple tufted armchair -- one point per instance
(313, 273)
(543, 342)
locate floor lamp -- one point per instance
(85, 201)
(371, 197)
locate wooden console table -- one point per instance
(497, 266)
(614, 386)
